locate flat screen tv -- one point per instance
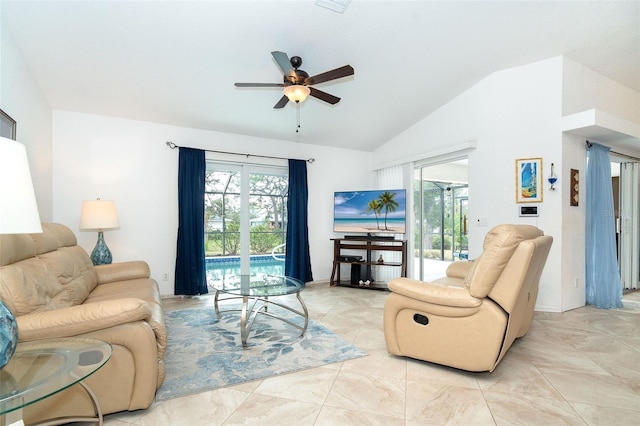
(370, 212)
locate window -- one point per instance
(245, 214)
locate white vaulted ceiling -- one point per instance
(176, 62)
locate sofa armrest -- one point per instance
(122, 271)
(81, 319)
(459, 269)
(434, 293)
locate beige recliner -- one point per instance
(54, 291)
(470, 318)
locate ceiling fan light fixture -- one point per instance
(297, 92)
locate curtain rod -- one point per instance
(174, 146)
(616, 153)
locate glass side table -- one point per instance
(260, 288)
(42, 368)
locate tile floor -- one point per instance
(578, 367)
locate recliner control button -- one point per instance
(421, 319)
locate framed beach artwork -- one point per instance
(529, 180)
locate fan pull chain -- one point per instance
(297, 116)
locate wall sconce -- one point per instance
(99, 215)
(552, 178)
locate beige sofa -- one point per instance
(54, 291)
(470, 318)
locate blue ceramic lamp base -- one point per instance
(8, 334)
(101, 255)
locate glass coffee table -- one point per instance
(41, 368)
(259, 289)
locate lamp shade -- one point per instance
(18, 215)
(297, 93)
(98, 215)
(18, 208)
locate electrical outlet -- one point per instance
(575, 283)
(165, 276)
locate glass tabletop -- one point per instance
(41, 368)
(259, 285)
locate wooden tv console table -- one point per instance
(368, 245)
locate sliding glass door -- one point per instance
(440, 209)
(628, 224)
(245, 219)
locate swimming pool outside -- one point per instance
(219, 267)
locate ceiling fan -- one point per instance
(297, 83)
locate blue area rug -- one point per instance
(204, 353)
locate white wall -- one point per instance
(511, 114)
(524, 104)
(585, 89)
(573, 222)
(21, 98)
(128, 161)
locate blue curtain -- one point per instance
(603, 286)
(297, 263)
(190, 269)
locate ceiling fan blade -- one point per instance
(260, 84)
(282, 59)
(281, 103)
(324, 96)
(331, 75)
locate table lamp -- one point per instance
(18, 215)
(99, 215)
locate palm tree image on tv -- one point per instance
(375, 207)
(386, 201)
(371, 211)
